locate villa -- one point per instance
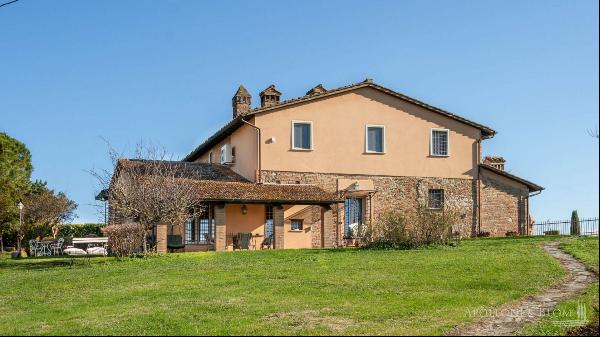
(306, 172)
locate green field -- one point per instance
(317, 292)
(586, 250)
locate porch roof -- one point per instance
(248, 192)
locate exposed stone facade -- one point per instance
(391, 193)
(504, 205)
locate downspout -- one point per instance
(528, 213)
(259, 176)
(478, 187)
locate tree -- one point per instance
(15, 174)
(575, 224)
(148, 189)
(46, 210)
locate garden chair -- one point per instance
(33, 248)
(267, 242)
(242, 241)
(175, 242)
(208, 239)
(57, 247)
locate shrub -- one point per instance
(512, 233)
(483, 234)
(388, 232)
(125, 239)
(552, 232)
(400, 231)
(575, 225)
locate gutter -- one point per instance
(259, 175)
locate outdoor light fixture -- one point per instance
(244, 209)
(20, 206)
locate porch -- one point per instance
(268, 226)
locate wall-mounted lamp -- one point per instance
(244, 209)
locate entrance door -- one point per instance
(353, 216)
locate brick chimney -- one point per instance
(270, 96)
(495, 162)
(319, 89)
(241, 102)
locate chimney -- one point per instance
(269, 97)
(319, 89)
(241, 102)
(495, 162)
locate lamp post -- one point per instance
(20, 234)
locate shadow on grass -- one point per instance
(48, 263)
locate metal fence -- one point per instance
(563, 227)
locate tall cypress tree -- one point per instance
(575, 225)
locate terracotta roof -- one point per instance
(532, 186)
(187, 170)
(487, 132)
(248, 192)
(219, 183)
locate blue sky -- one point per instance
(72, 72)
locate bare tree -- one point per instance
(149, 189)
(593, 132)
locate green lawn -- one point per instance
(313, 292)
(586, 250)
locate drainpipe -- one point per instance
(478, 187)
(528, 213)
(259, 177)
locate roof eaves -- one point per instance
(532, 186)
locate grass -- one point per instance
(315, 292)
(586, 250)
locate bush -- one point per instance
(80, 230)
(553, 232)
(124, 239)
(400, 231)
(512, 233)
(483, 234)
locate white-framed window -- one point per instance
(302, 135)
(440, 143)
(374, 138)
(210, 157)
(436, 198)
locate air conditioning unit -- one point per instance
(226, 154)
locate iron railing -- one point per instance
(563, 227)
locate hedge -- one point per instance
(80, 230)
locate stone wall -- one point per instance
(504, 205)
(391, 193)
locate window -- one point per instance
(301, 135)
(439, 142)
(436, 199)
(296, 225)
(200, 230)
(210, 157)
(375, 138)
(268, 221)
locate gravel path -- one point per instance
(509, 318)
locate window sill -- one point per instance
(372, 152)
(439, 156)
(296, 230)
(300, 150)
